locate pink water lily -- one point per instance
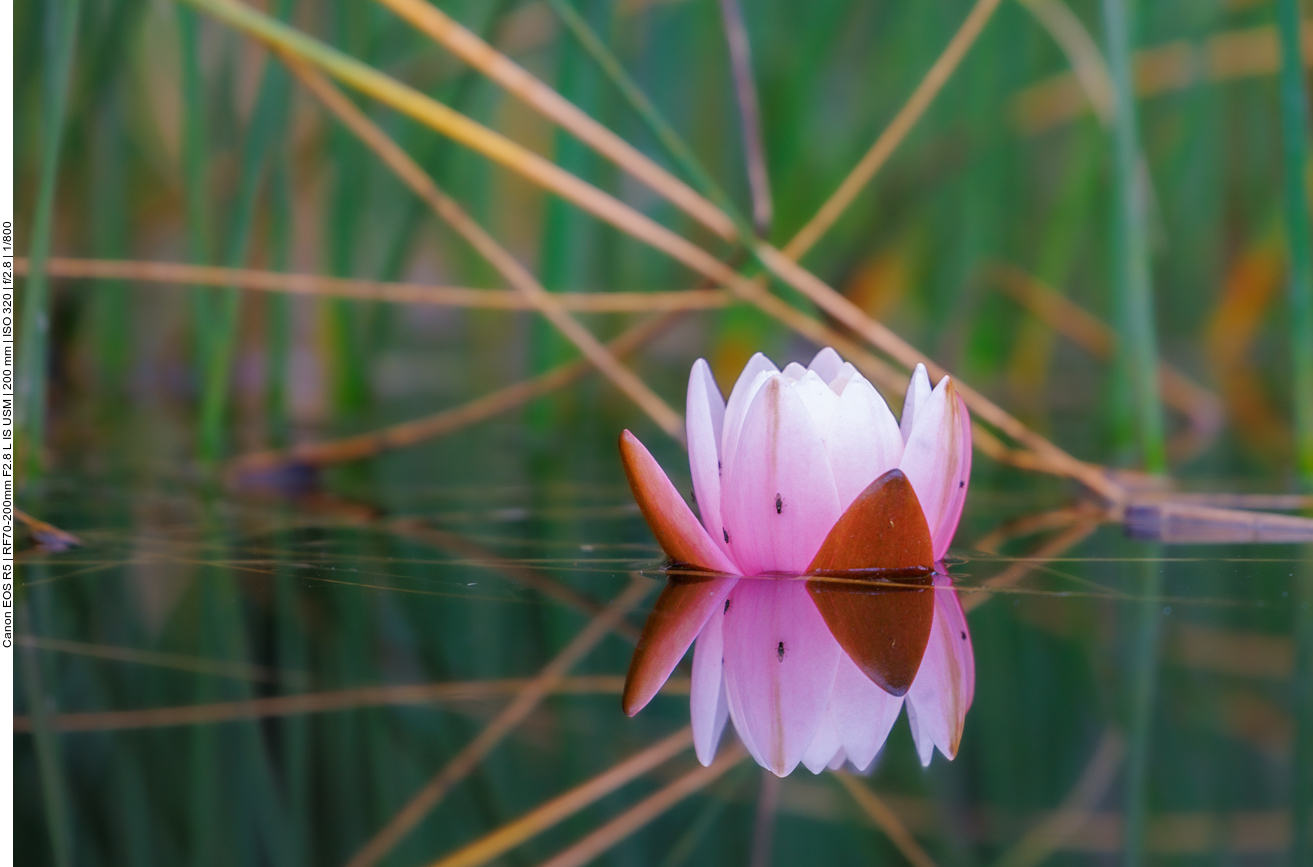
(804, 480)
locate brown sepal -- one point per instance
(872, 582)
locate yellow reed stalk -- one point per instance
(625, 218)
(1227, 56)
(247, 468)
(1051, 833)
(1053, 548)
(410, 173)
(372, 290)
(438, 26)
(892, 135)
(327, 702)
(645, 811)
(465, 761)
(563, 806)
(1087, 63)
(886, 820)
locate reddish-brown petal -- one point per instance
(681, 611)
(873, 582)
(678, 533)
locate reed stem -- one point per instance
(34, 328)
(1132, 281)
(267, 123)
(1299, 229)
(195, 159)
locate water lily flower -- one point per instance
(814, 583)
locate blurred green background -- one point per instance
(1014, 236)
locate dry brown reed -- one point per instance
(886, 820)
(568, 803)
(315, 285)
(469, 757)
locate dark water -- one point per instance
(223, 677)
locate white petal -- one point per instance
(793, 371)
(863, 440)
(780, 661)
(708, 705)
(705, 422)
(946, 682)
(863, 713)
(819, 398)
(823, 747)
(937, 461)
(754, 376)
(918, 392)
(780, 499)
(826, 364)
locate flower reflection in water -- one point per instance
(814, 584)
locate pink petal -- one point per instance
(708, 705)
(779, 666)
(823, 747)
(780, 499)
(752, 378)
(918, 392)
(676, 530)
(704, 423)
(827, 363)
(793, 371)
(937, 461)
(946, 684)
(925, 745)
(863, 440)
(839, 758)
(863, 713)
(679, 614)
(819, 398)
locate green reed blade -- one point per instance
(1141, 678)
(195, 170)
(108, 190)
(278, 307)
(267, 124)
(675, 146)
(1299, 228)
(34, 326)
(1132, 282)
(1301, 801)
(50, 761)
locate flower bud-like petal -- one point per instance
(863, 440)
(863, 713)
(826, 364)
(918, 392)
(704, 423)
(779, 498)
(707, 701)
(937, 460)
(946, 684)
(754, 376)
(780, 662)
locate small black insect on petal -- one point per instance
(779, 651)
(726, 532)
(727, 601)
(961, 483)
(779, 505)
(964, 636)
